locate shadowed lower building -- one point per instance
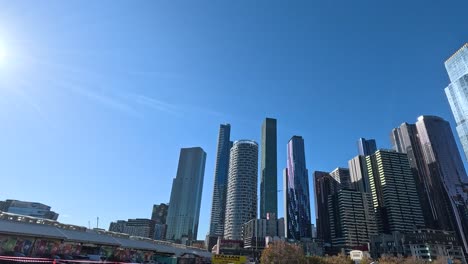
(184, 209)
(241, 204)
(325, 185)
(159, 216)
(352, 219)
(297, 199)
(135, 227)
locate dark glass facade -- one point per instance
(438, 171)
(325, 185)
(297, 198)
(366, 147)
(218, 208)
(269, 170)
(186, 193)
(447, 175)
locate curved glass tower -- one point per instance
(241, 204)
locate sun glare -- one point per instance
(2, 53)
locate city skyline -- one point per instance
(88, 108)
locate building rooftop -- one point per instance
(246, 141)
(456, 52)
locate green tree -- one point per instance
(283, 253)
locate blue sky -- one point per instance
(98, 97)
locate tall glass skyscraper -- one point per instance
(447, 175)
(218, 207)
(241, 204)
(325, 185)
(297, 198)
(405, 139)
(269, 170)
(184, 209)
(366, 147)
(457, 92)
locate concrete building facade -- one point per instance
(241, 204)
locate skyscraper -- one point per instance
(269, 177)
(358, 174)
(447, 175)
(325, 185)
(241, 203)
(405, 139)
(297, 198)
(393, 192)
(342, 176)
(184, 209)
(457, 92)
(218, 207)
(352, 219)
(366, 147)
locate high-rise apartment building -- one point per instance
(457, 92)
(159, 217)
(241, 203)
(33, 209)
(325, 185)
(438, 171)
(448, 177)
(352, 219)
(393, 190)
(342, 176)
(184, 209)
(358, 174)
(269, 170)
(296, 192)
(405, 139)
(218, 208)
(366, 147)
